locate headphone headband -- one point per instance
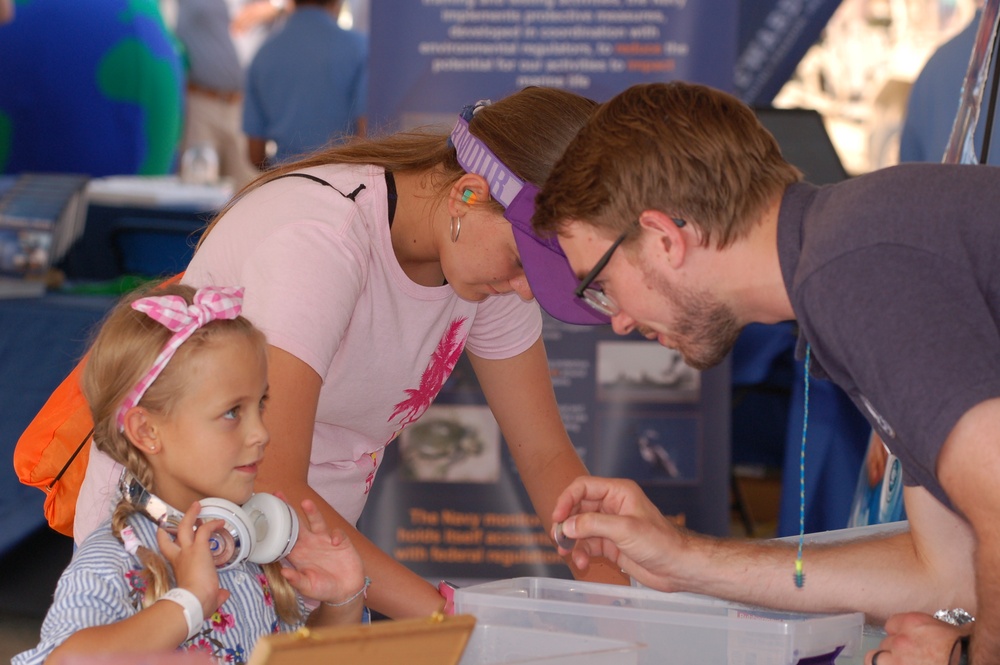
(263, 530)
(165, 516)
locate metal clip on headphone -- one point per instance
(262, 530)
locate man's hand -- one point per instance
(613, 518)
(917, 639)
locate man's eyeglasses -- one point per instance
(595, 296)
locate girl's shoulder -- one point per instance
(102, 550)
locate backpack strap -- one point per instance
(352, 196)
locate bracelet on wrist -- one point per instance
(191, 606)
(363, 591)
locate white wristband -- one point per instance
(189, 602)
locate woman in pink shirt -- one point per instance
(414, 248)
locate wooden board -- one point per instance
(430, 641)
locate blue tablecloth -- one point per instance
(41, 340)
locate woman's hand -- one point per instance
(190, 556)
(326, 566)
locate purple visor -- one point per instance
(545, 265)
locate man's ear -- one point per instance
(671, 238)
(140, 430)
(468, 191)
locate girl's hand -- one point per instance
(191, 558)
(327, 567)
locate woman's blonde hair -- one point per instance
(122, 352)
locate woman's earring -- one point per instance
(456, 228)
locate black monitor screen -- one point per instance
(804, 142)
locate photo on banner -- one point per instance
(449, 502)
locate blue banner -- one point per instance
(429, 58)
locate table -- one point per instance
(140, 225)
(41, 340)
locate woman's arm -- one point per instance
(519, 392)
(395, 591)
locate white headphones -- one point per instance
(263, 530)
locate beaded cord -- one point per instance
(800, 577)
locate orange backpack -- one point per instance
(53, 450)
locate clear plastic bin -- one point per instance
(507, 645)
(677, 629)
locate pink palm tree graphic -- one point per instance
(438, 369)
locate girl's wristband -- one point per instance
(191, 606)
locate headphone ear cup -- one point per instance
(234, 542)
(275, 525)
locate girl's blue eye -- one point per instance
(232, 413)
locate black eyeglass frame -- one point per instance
(584, 286)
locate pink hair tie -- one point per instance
(211, 303)
(130, 540)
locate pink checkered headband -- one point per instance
(211, 303)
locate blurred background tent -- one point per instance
(91, 87)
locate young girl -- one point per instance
(176, 382)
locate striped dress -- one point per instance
(102, 585)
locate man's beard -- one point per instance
(703, 329)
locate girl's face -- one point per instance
(213, 440)
(484, 261)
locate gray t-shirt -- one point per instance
(894, 280)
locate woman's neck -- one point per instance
(417, 227)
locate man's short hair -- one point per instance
(690, 151)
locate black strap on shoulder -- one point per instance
(352, 196)
(391, 196)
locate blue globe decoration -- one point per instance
(91, 87)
